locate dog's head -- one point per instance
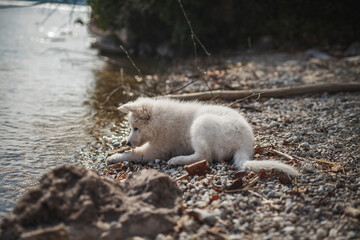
(139, 116)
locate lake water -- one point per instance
(47, 79)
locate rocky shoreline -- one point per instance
(317, 133)
(316, 207)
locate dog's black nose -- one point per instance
(129, 144)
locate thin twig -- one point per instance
(134, 65)
(193, 35)
(50, 14)
(181, 88)
(216, 96)
(182, 177)
(132, 62)
(110, 95)
(323, 161)
(328, 194)
(258, 94)
(287, 156)
(246, 188)
(195, 39)
(217, 235)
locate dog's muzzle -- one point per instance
(128, 144)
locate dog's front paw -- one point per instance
(116, 158)
(177, 161)
(172, 162)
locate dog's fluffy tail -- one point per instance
(242, 161)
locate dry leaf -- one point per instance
(240, 174)
(122, 176)
(262, 174)
(237, 184)
(217, 189)
(259, 150)
(300, 190)
(198, 168)
(219, 230)
(214, 197)
(352, 212)
(284, 179)
(251, 175)
(337, 168)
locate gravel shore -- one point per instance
(319, 134)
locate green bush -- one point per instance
(228, 24)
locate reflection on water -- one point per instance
(53, 93)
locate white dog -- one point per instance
(188, 132)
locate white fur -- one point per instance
(188, 132)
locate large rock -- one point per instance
(71, 202)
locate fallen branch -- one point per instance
(267, 93)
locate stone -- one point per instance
(321, 233)
(72, 202)
(305, 146)
(204, 216)
(333, 233)
(315, 53)
(289, 229)
(308, 168)
(353, 49)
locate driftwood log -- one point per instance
(267, 93)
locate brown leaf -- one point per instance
(217, 189)
(251, 175)
(353, 212)
(240, 175)
(218, 229)
(237, 184)
(198, 168)
(262, 174)
(233, 168)
(214, 197)
(271, 174)
(122, 176)
(337, 168)
(300, 190)
(259, 150)
(284, 179)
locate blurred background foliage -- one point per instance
(230, 24)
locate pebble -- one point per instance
(320, 126)
(321, 233)
(278, 219)
(289, 229)
(333, 233)
(308, 168)
(351, 235)
(305, 146)
(206, 217)
(191, 225)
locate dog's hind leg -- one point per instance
(184, 160)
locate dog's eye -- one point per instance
(135, 129)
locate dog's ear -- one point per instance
(129, 107)
(140, 110)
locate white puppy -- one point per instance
(188, 132)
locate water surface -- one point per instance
(46, 82)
